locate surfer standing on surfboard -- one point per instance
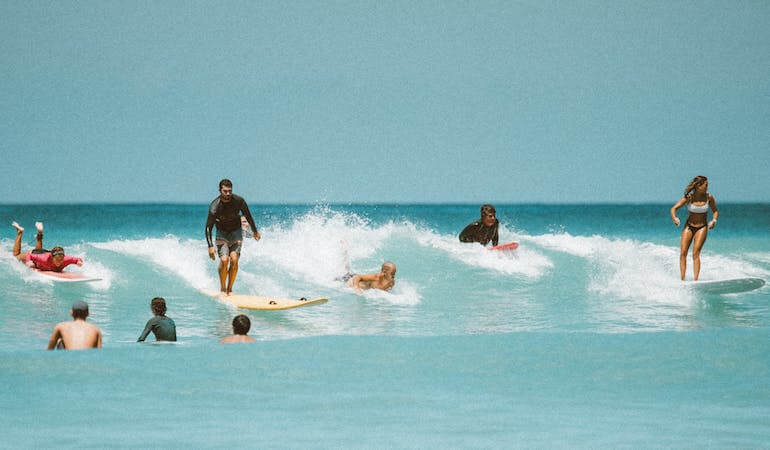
(483, 230)
(52, 260)
(696, 228)
(225, 212)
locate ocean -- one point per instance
(583, 337)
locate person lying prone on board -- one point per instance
(384, 280)
(53, 260)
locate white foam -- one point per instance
(525, 261)
(403, 293)
(184, 258)
(629, 269)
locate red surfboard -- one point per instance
(508, 246)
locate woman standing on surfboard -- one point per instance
(52, 260)
(696, 228)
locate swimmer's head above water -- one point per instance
(80, 310)
(488, 215)
(158, 306)
(241, 324)
(389, 269)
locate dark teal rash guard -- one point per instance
(162, 327)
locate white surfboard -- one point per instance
(263, 303)
(732, 286)
(65, 277)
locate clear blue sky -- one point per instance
(383, 101)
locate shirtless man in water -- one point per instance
(77, 334)
(241, 325)
(384, 280)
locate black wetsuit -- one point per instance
(227, 216)
(478, 232)
(162, 327)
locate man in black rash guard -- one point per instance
(483, 230)
(225, 212)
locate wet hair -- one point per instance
(79, 310)
(57, 251)
(389, 265)
(225, 182)
(487, 209)
(241, 324)
(697, 181)
(158, 305)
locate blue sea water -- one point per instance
(584, 337)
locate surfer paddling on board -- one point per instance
(225, 212)
(698, 202)
(483, 230)
(53, 260)
(384, 280)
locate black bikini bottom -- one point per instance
(694, 229)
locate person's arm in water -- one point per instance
(713, 204)
(146, 332)
(361, 282)
(209, 226)
(55, 336)
(676, 206)
(247, 214)
(98, 338)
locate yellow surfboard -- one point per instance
(263, 303)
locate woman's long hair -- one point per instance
(697, 181)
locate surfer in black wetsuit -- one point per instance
(225, 212)
(483, 230)
(161, 326)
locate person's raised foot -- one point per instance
(19, 228)
(39, 226)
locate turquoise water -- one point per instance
(585, 337)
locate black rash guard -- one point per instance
(478, 232)
(227, 216)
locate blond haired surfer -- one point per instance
(384, 280)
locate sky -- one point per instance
(384, 101)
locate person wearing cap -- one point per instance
(483, 230)
(241, 325)
(53, 260)
(76, 334)
(161, 326)
(225, 212)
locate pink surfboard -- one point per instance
(508, 246)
